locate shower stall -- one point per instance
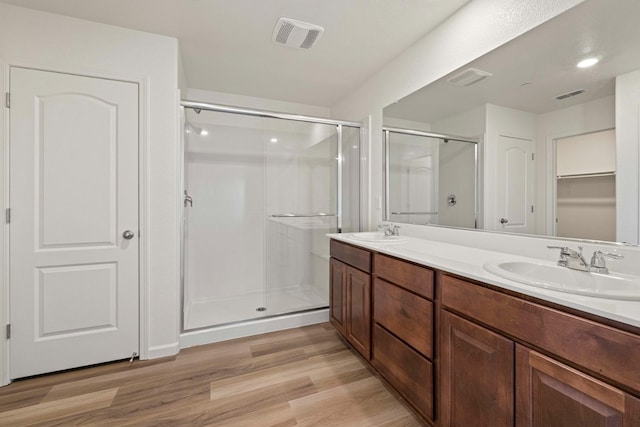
(430, 178)
(261, 191)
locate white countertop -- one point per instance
(468, 262)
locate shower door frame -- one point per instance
(198, 106)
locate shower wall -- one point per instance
(265, 194)
(225, 178)
(413, 179)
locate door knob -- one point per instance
(503, 220)
(128, 234)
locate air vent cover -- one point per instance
(468, 77)
(296, 34)
(570, 94)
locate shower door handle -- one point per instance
(187, 199)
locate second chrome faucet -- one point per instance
(573, 259)
(390, 229)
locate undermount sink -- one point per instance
(553, 277)
(376, 237)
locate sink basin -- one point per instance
(376, 237)
(553, 277)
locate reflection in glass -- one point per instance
(430, 180)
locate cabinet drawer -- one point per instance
(405, 369)
(406, 315)
(409, 276)
(356, 257)
(603, 350)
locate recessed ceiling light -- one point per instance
(204, 132)
(274, 140)
(588, 62)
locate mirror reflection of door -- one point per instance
(515, 185)
(586, 186)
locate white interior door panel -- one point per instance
(73, 192)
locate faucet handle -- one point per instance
(597, 260)
(598, 263)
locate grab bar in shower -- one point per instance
(296, 215)
(414, 213)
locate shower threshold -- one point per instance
(222, 311)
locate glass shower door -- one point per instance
(301, 191)
(263, 194)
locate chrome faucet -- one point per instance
(390, 229)
(598, 264)
(573, 259)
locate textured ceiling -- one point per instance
(531, 70)
(226, 44)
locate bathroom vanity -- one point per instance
(464, 351)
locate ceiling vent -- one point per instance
(296, 34)
(468, 77)
(569, 94)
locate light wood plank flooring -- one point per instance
(305, 376)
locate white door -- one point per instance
(515, 184)
(73, 193)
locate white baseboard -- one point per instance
(164, 350)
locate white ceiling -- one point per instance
(545, 57)
(226, 44)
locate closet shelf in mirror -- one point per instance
(587, 175)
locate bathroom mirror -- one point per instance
(546, 129)
(430, 178)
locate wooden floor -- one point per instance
(305, 376)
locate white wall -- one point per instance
(48, 41)
(579, 119)
(221, 98)
(477, 28)
(628, 163)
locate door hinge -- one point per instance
(7, 99)
(7, 215)
(8, 332)
(531, 208)
(533, 156)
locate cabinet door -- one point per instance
(477, 375)
(359, 311)
(337, 295)
(550, 394)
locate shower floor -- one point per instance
(211, 312)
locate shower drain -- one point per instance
(261, 309)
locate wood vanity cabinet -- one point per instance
(476, 375)
(350, 295)
(551, 394)
(491, 375)
(403, 318)
(469, 354)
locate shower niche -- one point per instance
(264, 191)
